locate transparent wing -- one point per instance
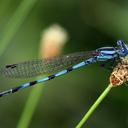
(43, 66)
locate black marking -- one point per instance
(11, 66)
(107, 49)
(1, 95)
(33, 82)
(51, 77)
(16, 89)
(69, 69)
(88, 62)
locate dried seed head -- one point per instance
(120, 73)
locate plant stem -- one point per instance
(15, 22)
(49, 47)
(30, 106)
(94, 106)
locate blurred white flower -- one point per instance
(52, 41)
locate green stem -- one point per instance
(15, 22)
(94, 106)
(8, 33)
(30, 107)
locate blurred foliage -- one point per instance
(90, 24)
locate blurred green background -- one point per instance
(90, 24)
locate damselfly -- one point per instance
(62, 65)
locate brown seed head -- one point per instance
(120, 73)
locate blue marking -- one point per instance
(91, 59)
(78, 65)
(25, 85)
(104, 58)
(42, 80)
(108, 52)
(61, 73)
